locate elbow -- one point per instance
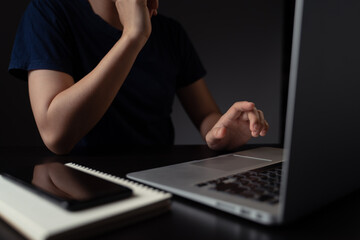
(57, 143)
(58, 150)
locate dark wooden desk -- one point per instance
(186, 219)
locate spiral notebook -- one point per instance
(37, 219)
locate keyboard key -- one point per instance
(260, 184)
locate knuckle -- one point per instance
(236, 104)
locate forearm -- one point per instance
(75, 111)
(200, 106)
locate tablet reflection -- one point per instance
(62, 181)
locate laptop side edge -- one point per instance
(295, 52)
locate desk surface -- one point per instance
(186, 219)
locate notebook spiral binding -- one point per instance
(113, 178)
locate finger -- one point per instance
(255, 124)
(215, 137)
(218, 132)
(151, 12)
(263, 124)
(265, 130)
(151, 7)
(237, 108)
(153, 4)
(261, 120)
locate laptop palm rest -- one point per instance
(232, 162)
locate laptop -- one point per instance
(319, 162)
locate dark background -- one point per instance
(240, 43)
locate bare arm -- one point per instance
(222, 132)
(200, 106)
(66, 111)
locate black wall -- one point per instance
(240, 43)
(17, 126)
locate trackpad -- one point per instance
(229, 163)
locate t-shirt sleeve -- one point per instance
(42, 41)
(191, 68)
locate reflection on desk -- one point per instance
(189, 220)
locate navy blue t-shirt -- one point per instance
(67, 36)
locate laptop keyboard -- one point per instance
(261, 184)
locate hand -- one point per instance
(135, 17)
(241, 122)
(153, 6)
